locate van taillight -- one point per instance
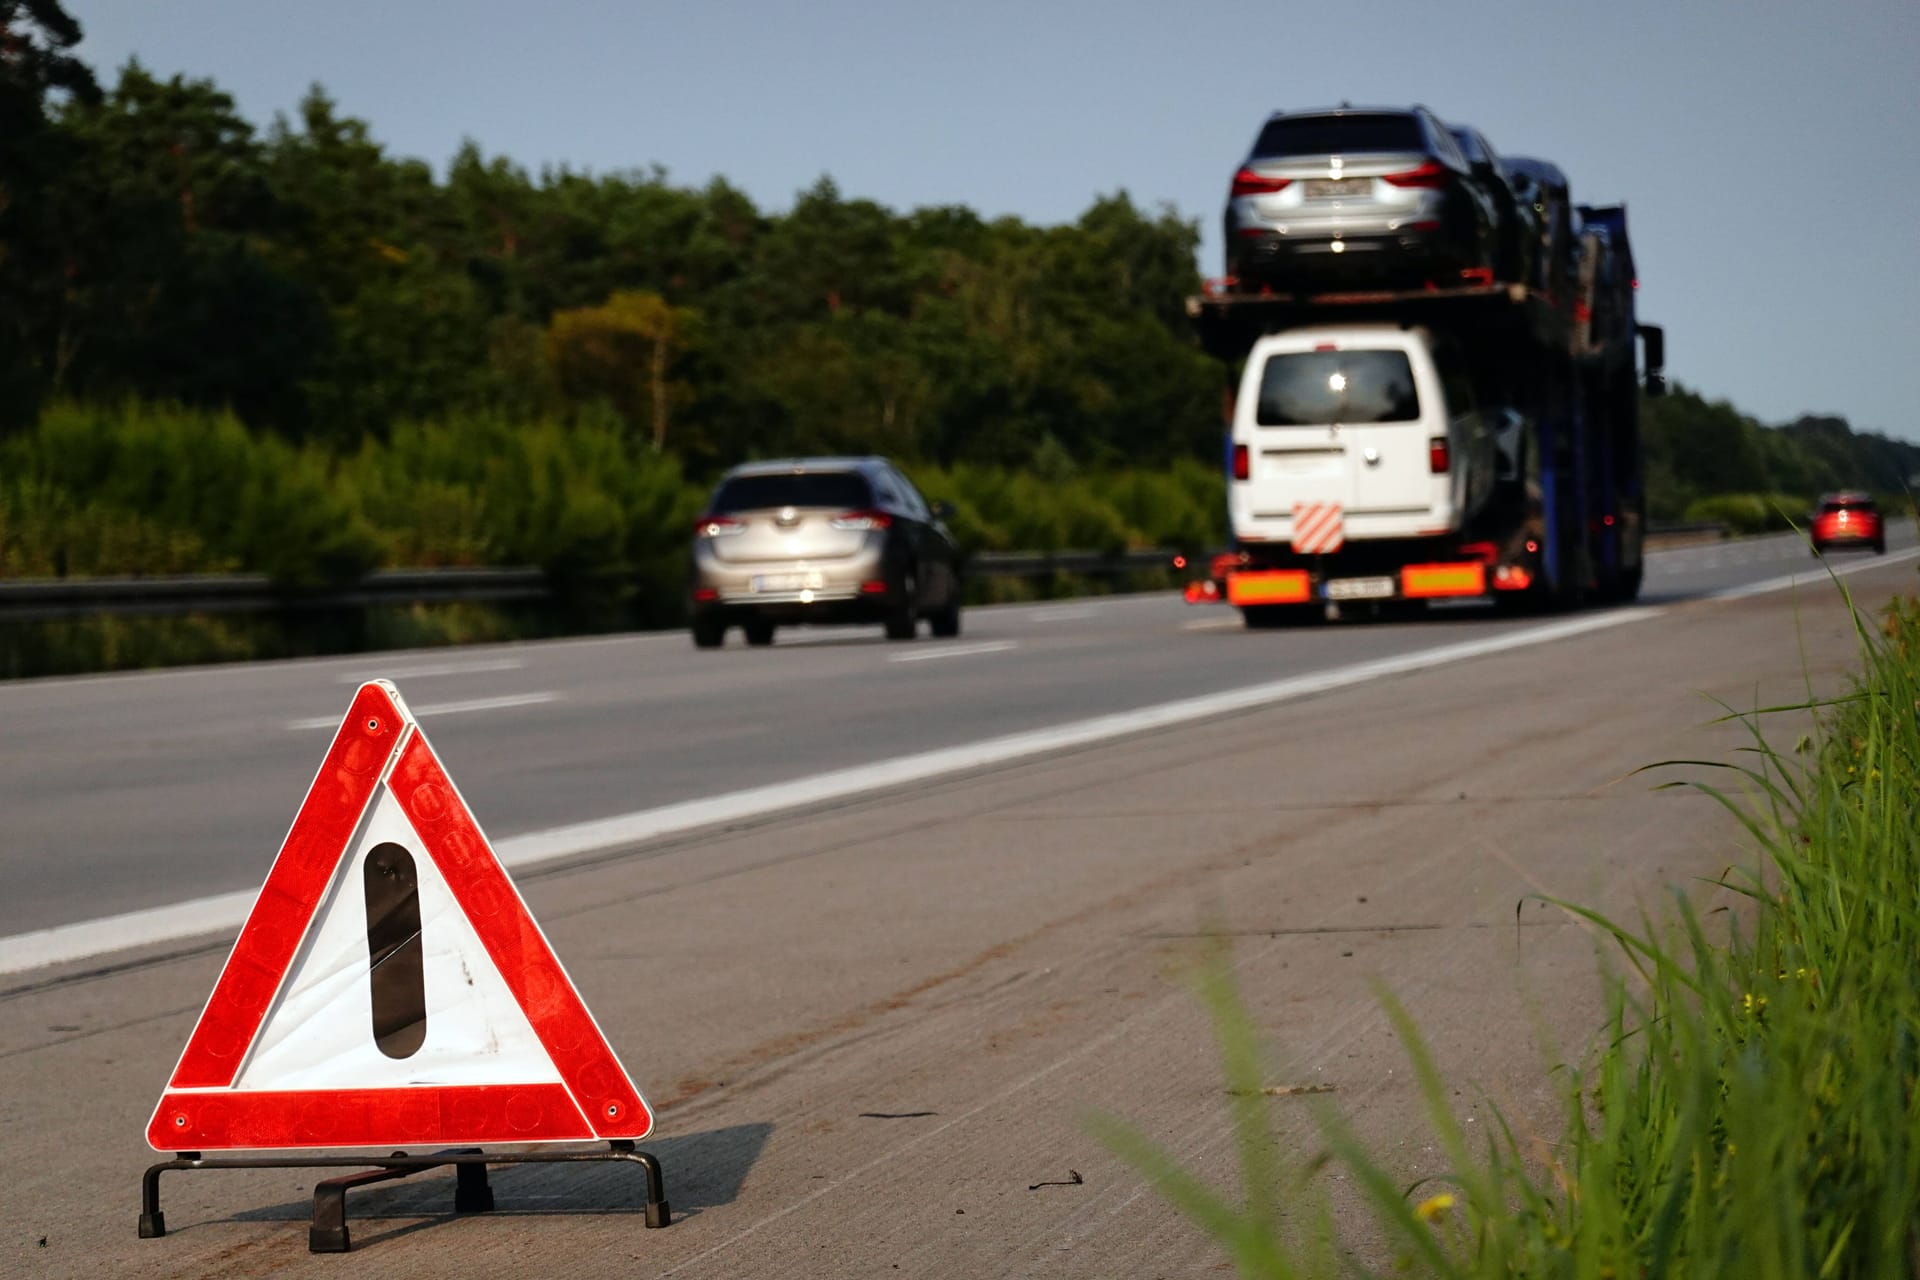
(1439, 456)
(1248, 183)
(1241, 468)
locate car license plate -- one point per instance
(1335, 188)
(1361, 589)
(788, 582)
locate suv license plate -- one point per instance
(1335, 188)
(788, 582)
(1361, 589)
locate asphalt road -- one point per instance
(129, 792)
(872, 1029)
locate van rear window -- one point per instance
(1318, 388)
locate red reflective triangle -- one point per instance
(381, 775)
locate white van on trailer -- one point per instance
(1376, 424)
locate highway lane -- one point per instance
(131, 792)
(872, 1031)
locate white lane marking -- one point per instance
(1213, 624)
(954, 651)
(439, 669)
(1811, 577)
(226, 912)
(443, 709)
(1069, 614)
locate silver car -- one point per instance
(1336, 194)
(821, 540)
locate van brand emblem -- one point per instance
(1372, 456)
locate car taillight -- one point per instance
(717, 527)
(1241, 469)
(1430, 174)
(860, 521)
(1439, 456)
(1248, 183)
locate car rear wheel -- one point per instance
(1880, 547)
(708, 635)
(759, 633)
(902, 623)
(946, 622)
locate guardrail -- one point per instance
(34, 598)
(42, 598)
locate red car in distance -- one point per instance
(1848, 520)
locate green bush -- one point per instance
(148, 488)
(1746, 513)
(99, 490)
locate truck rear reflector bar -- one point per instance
(1269, 586)
(1431, 581)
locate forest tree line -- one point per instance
(201, 319)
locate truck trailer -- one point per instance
(1473, 442)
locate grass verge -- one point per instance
(1753, 1110)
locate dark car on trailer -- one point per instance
(1518, 229)
(805, 541)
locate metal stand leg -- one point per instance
(659, 1213)
(153, 1223)
(327, 1233)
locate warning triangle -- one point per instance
(390, 987)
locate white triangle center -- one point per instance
(319, 1032)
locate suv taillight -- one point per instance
(858, 521)
(1430, 174)
(1248, 183)
(717, 527)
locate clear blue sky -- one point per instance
(1769, 152)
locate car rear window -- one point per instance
(1338, 135)
(1845, 504)
(1316, 388)
(844, 490)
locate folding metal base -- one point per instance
(327, 1233)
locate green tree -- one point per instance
(37, 68)
(622, 352)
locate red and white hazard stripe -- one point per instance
(1319, 528)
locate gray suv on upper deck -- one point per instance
(810, 540)
(1370, 192)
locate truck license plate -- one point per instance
(1360, 589)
